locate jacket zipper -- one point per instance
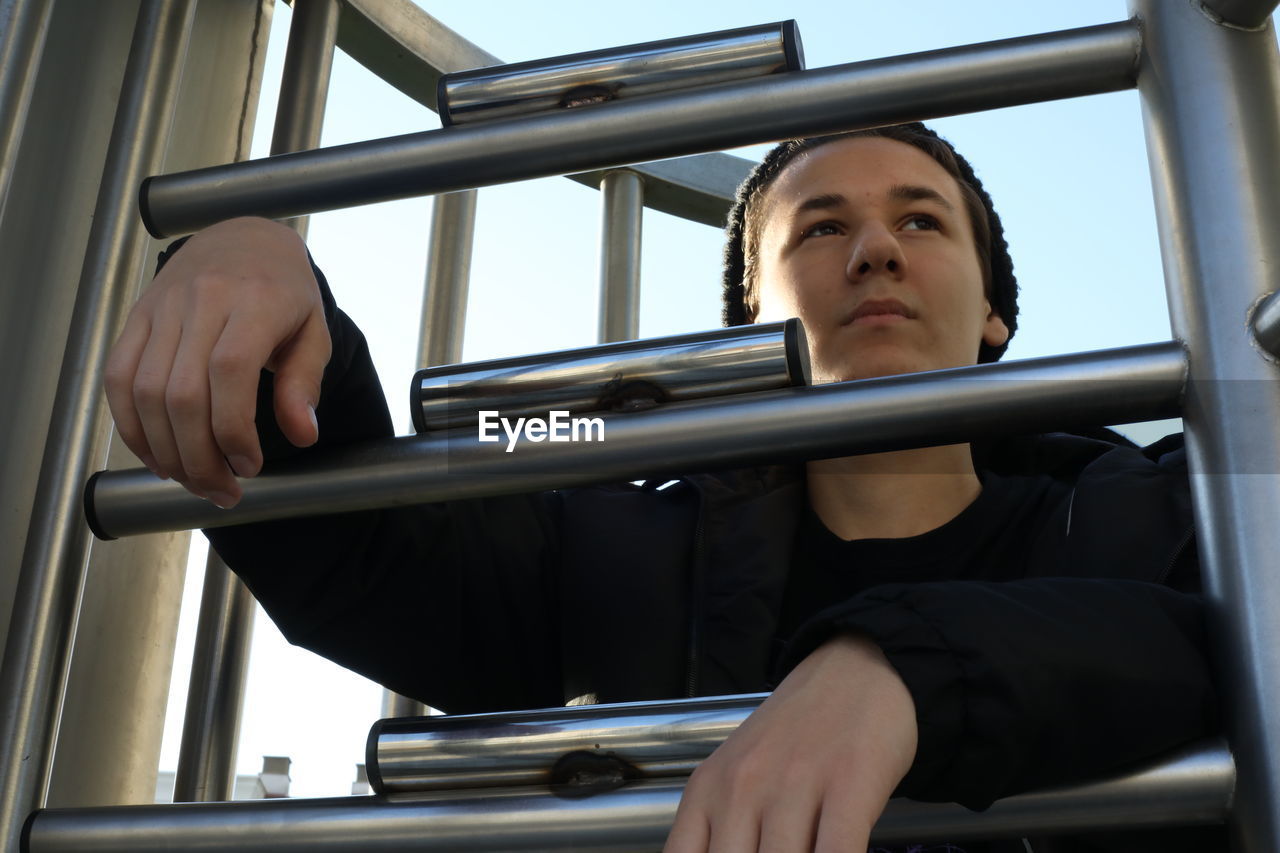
(1182, 546)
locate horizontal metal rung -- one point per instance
(872, 415)
(1071, 63)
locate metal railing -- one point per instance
(1209, 78)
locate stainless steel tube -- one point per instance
(862, 94)
(1211, 103)
(614, 376)
(1241, 13)
(567, 82)
(219, 668)
(890, 413)
(523, 748)
(24, 24)
(622, 206)
(1190, 787)
(444, 298)
(51, 577)
(1266, 324)
(304, 84)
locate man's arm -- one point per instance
(227, 354)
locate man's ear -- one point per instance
(994, 333)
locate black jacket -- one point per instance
(1092, 661)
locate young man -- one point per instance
(930, 628)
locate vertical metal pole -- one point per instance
(444, 318)
(24, 24)
(47, 596)
(304, 85)
(444, 297)
(1211, 101)
(622, 198)
(113, 710)
(210, 731)
(211, 728)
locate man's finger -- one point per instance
(150, 382)
(299, 369)
(790, 823)
(189, 406)
(235, 369)
(121, 367)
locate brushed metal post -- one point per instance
(622, 205)
(42, 625)
(1211, 103)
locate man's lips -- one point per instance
(886, 308)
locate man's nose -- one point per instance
(875, 250)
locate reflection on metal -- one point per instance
(43, 619)
(843, 97)
(891, 413)
(23, 30)
(584, 79)
(219, 668)
(1266, 324)
(647, 739)
(409, 49)
(620, 376)
(1211, 101)
(304, 84)
(1191, 787)
(1241, 13)
(622, 204)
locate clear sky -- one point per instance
(1069, 178)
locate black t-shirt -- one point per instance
(1013, 529)
(1009, 531)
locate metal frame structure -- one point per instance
(1209, 77)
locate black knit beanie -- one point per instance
(1003, 289)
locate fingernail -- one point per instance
(242, 465)
(222, 500)
(311, 410)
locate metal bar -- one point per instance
(444, 297)
(569, 82)
(1249, 14)
(526, 747)
(304, 84)
(618, 376)
(24, 24)
(43, 620)
(622, 204)
(215, 695)
(862, 94)
(871, 415)
(1266, 324)
(1190, 787)
(1211, 101)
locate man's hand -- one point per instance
(182, 380)
(812, 768)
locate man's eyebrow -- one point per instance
(915, 192)
(825, 201)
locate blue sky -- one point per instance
(1069, 178)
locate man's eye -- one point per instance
(820, 229)
(922, 223)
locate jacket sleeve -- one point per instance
(1026, 683)
(422, 599)
(1029, 683)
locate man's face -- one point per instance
(867, 241)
